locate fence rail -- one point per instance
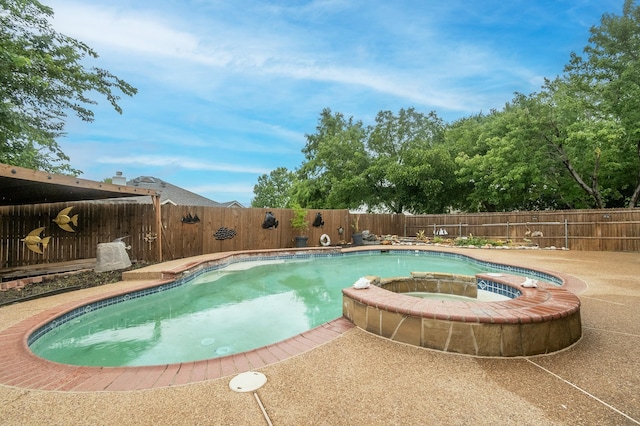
(99, 222)
(593, 230)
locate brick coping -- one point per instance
(19, 367)
(543, 303)
(540, 320)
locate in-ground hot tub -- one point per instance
(532, 321)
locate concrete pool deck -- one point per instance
(359, 378)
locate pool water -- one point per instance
(243, 307)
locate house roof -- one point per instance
(234, 204)
(25, 186)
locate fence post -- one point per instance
(508, 234)
(566, 234)
(157, 207)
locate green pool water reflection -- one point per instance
(225, 312)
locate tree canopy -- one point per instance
(609, 77)
(43, 77)
(399, 164)
(575, 144)
(274, 190)
(335, 157)
(410, 168)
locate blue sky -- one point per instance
(229, 88)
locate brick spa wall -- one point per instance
(541, 320)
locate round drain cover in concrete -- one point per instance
(247, 382)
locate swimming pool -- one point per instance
(227, 308)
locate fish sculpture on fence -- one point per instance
(318, 222)
(270, 221)
(190, 219)
(33, 240)
(65, 221)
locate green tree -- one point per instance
(410, 168)
(425, 181)
(548, 150)
(42, 79)
(274, 190)
(588, 143)
(499, 161)
(464, 137)
(399, 164)
(609, 75)
(331, 175)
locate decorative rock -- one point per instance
(111, 257)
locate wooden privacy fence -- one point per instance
(182, 239)
(228, 229)
(215, 230)
(96, 223)
(594, 230)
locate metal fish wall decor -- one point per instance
(190, 219)
(64, 220)
(34, 242)
(224, 233)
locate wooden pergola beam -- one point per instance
(19, 186)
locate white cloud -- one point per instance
(177, 55)
(223, 188)
(181, 163)
(122, 30)
(147, 33)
